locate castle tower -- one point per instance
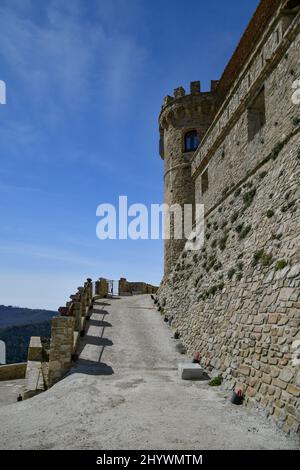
(183, 122)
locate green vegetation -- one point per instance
(239, 227)
(234, 217)
(245, 232)
(223, 241)
(214, 243)
(296, 121)
(231, 273)
(281, 264)
(213, 290)
(216, 381)
(17, 339)
(240, 265)
(248, 197)
(263, 174)
(276, 150)
(270, 213)
(257, 257)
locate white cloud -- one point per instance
(67, 60)
(46, 252)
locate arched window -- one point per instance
(190, 141)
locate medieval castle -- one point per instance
(236, 149)
(236, 302)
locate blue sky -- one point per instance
(85, 82)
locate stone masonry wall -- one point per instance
(62, 343)
(237, 301)
(227, 151)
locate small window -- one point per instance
(190, 141)
(256, 115)
(161, 147)
(204, 182)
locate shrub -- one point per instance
(245, 231)
(240, 265)
(213, 290)
(216, 381)
(214, 243)
(248, 197)
(217, 266)
(256, 257)
(270, 213)
(281, 264)
(222, 242)
(296, 121)
(231, 273)
(239, 227)
(234, 217)
(276, 150)
(291, 203)
(263, 174)
(266, 259)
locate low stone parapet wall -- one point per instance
(13, 371)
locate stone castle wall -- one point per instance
(236, 301)
(179, 115)
(126, 287)
(226, 151)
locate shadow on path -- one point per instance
(91, 347)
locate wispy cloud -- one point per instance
(68, 60)
(46, 252)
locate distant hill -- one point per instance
(18, 324)
(17, 339)
(12, 316)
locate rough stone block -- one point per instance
(189, 371)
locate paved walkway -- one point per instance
(9, 390)
(124, 393)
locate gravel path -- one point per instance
(124, 393)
